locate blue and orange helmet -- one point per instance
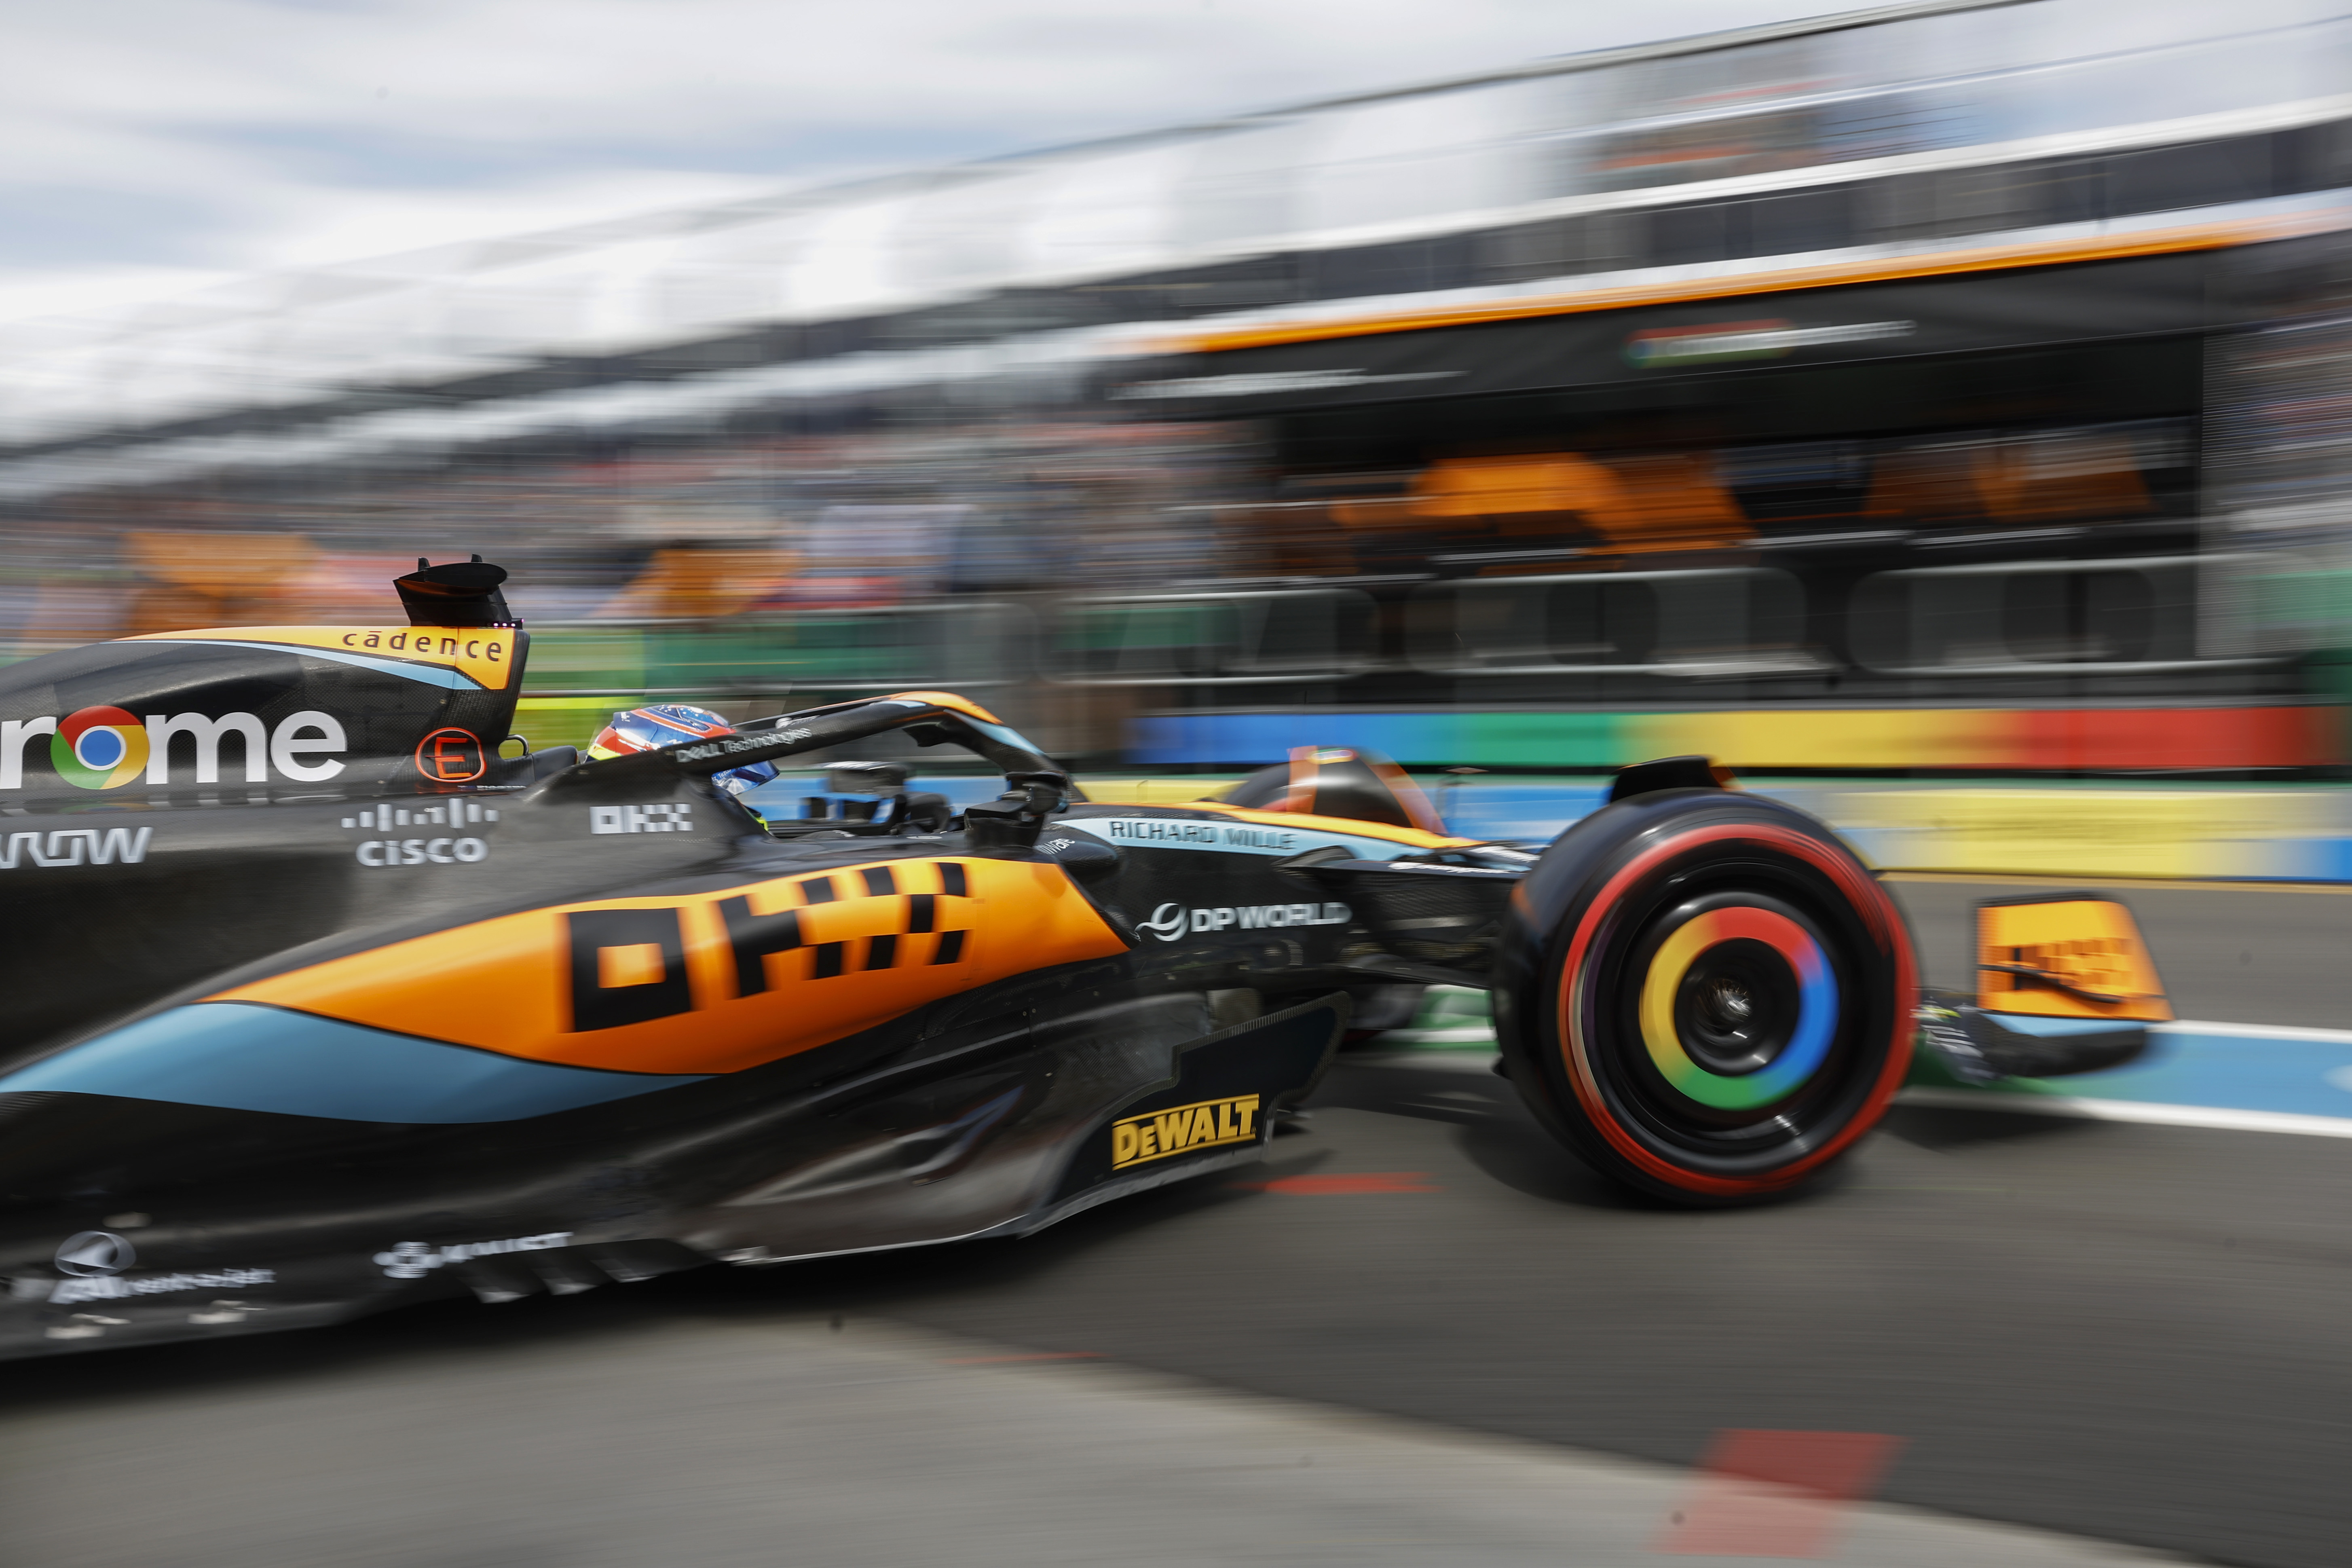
(671, 724)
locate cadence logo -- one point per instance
(106, 748)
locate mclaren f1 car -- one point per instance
(322, 1003)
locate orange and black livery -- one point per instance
(325, 1001)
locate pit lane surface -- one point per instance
(2248, 952)
(2129, 1332)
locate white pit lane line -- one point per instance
(2252, 1031)
(2146, 1111)
(2324, 1083)
(1454, 1057)
(788, 1441)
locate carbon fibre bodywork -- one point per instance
(320, 1006)
(323, 1007)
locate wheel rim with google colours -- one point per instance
(1726, 1002)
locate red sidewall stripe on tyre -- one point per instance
(1878, 914)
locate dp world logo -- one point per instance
(90, 1253)
(1170, 922)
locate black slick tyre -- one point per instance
(1706, 995)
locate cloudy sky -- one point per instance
(150, 147)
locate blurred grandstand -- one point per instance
(1989, 358)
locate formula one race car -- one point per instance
(323, 1005)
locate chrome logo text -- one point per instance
(106, 748)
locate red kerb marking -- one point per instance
(1357, 1182)
(1033, 1356)
(1777, 1494)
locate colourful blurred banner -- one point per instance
(2199, 739)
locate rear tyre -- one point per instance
(1704, 995)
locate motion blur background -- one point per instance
(1941, 414)
(1946, 387)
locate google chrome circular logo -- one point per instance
(1739, 1006)
(98, 748)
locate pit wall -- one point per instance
(1995, 740)
(2254, 832)
(2268, 832)
(2243, 832)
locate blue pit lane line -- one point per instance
(2247, 1076)
(2251, 1077)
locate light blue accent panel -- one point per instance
(240, 1056)
(2210, 1068)
(2030, 1024)
(424, 674)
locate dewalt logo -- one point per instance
(1210, 1124)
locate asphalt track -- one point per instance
(2248, 952)
(2126, 1333)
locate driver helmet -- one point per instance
(671, 724)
